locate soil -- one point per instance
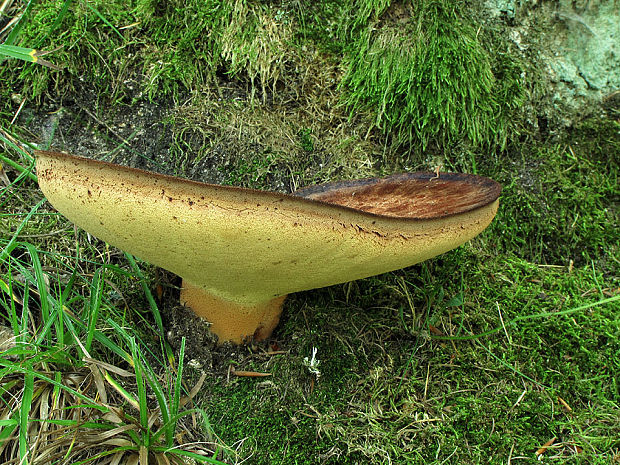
(139, 134)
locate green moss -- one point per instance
(192, 41)
(558, 199)
(182, 50)
(286, 418)
(88, 43)
(182, 44)
(427, 78)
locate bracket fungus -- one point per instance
(241, 251)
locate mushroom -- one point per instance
(241, 251)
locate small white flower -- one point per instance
(313, 363)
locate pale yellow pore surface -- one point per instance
(242, 246)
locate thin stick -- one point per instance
(21, 105)
(250, 374)
(503, 325)
(519, 400)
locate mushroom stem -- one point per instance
(230, 320)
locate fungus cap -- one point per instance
(241, 251)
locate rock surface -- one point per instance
(577, 42)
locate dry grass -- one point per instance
(82, 415)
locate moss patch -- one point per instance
(424, 73)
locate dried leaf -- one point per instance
(109, 367)
(564, 404)
(4, 179)
(153, 418)
(162, 459)
(436, 331)
(144, 456)
(194, 391)
(99, 384)
(104, 436)
(545, 446)
(116, 459)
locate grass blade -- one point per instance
(177, 385)
(23, 332)
(169, 409)
(164, 404)
(42, 288)
(21, 53)
(16, 166)
(122, 391)
(23, 416)
(106, 22)
(12, 37)
(99, 337)
(20, 368)
(152, 305)
(64, 296)
(529, 317)
(96, 289)
(147, 292)
(61, 15)
(7, 288)
(26, 54)
(13, 242)
(7, 428)
(140, 382)
(193, 455)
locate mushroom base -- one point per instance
(232, 321)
